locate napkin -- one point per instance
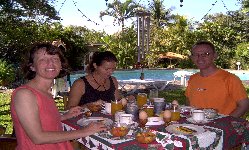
(206, 138)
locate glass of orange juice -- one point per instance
(116, 105)
(175, 114)
(149, 109)
(141, 99)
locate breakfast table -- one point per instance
(223, 132)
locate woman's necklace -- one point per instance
(99, 85)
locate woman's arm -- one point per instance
(77, 90)
(117, 93)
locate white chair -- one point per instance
(136, 82)
(183, 76)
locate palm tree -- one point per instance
(245, 6)
(159, 14)
(120, 11)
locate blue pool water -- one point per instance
(160, 74)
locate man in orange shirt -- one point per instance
(213, 87)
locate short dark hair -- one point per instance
(99, 58)
(51, 50)
(204, 43)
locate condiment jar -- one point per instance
(132, 108)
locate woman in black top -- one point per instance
(98, 85)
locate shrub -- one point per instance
(7, 73)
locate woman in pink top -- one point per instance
(36, 119)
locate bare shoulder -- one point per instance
(24, 97)
(78, 83)
(23, 93)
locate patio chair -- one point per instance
(183, 76)
(136, 82)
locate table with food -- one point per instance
(156, 124)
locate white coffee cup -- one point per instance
(126, 118)
(117, 115)
(108, 108)
(198, 115)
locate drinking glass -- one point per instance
(116, 105)
(175, 113)
(149, 109)
(153, 94)
(141, 99)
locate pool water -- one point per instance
(156, 74)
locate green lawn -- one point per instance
(5, 119)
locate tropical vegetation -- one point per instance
(23, 23)
(7, 73)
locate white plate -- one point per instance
(154, 123)
(85, 122)
(173, 129)
(191, 120)
(151, 119)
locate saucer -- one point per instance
(154, 123)
(191, 120)
(86, 121)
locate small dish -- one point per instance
(154, 121)
(191, 120)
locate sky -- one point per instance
(86, 12)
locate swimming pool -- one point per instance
(157, 74)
